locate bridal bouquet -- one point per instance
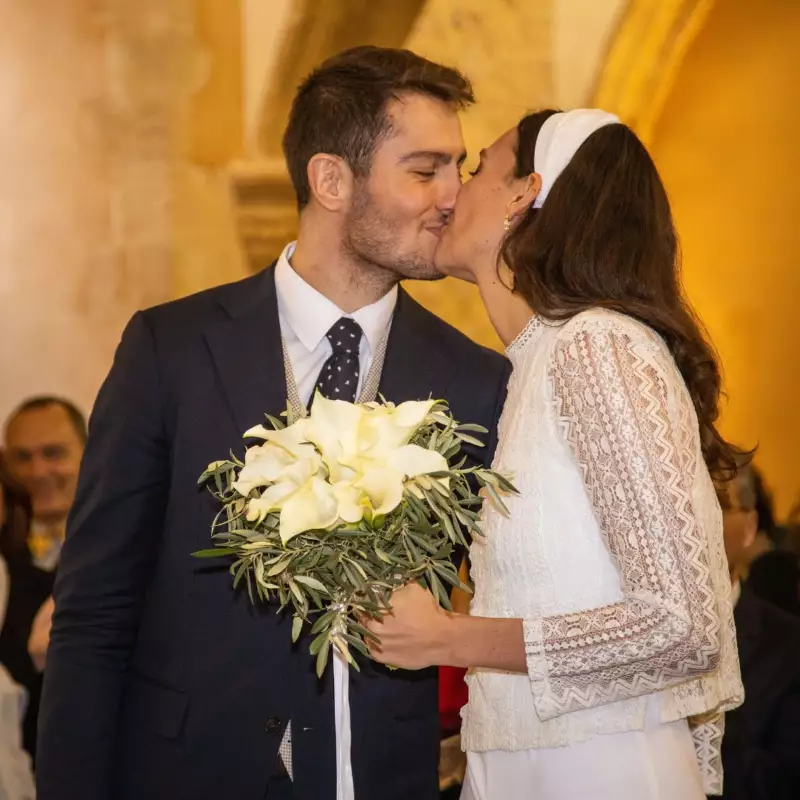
(333, 511)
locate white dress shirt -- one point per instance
(305, 317)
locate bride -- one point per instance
(600, 638)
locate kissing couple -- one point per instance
(600, 641)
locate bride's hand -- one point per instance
(413, 633)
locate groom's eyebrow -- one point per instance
(436, 155)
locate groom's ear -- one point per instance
(330, 180)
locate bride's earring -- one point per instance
(507, 220)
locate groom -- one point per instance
(163, 683)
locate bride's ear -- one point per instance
(523, 200)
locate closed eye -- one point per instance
(424, 174)
(480, 164)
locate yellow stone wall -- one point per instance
(206, 250)
(89, 93)
(726, 144)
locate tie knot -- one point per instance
(345, 337)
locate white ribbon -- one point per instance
(559, 139)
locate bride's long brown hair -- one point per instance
(605, 238)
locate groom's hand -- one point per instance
(414, 634)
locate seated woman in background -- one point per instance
(16, 779)
(27, 589)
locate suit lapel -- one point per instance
(415, 366)
(247, 353)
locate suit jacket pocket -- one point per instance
(156, 708)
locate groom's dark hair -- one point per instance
(340, 108)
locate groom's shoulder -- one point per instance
(202, 307)
(457, 346)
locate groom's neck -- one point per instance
(346, 281)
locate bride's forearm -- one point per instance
(482, 642)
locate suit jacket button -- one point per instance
(273, 725)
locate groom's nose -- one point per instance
(450, 188)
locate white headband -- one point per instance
(558, 141)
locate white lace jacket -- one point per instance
(612, 554)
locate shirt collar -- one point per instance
(311, 315)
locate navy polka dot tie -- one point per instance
(338, 379)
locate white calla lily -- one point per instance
(257, 432)
(265, 464)
(350, 500)
(384, 489)
(334, 427)
(412, 460)
(413, 413)
(386, 428)
(380, 434)
(270, 500)
(293, 438)
(292, 478)
(312, 507)
(262, 465)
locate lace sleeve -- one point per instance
(610, 389)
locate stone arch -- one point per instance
(706, 84)
(645, 58)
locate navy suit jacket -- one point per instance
(161, 681)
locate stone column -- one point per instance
(88, 91)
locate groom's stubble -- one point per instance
(372, 241)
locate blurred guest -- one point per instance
(764, 504)
(44, 444)
(775, 577)
(15, 515)
(16, 779)
(44, 440)
(765, 538)
(40, 634)
(761, 748)
(792, 530)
